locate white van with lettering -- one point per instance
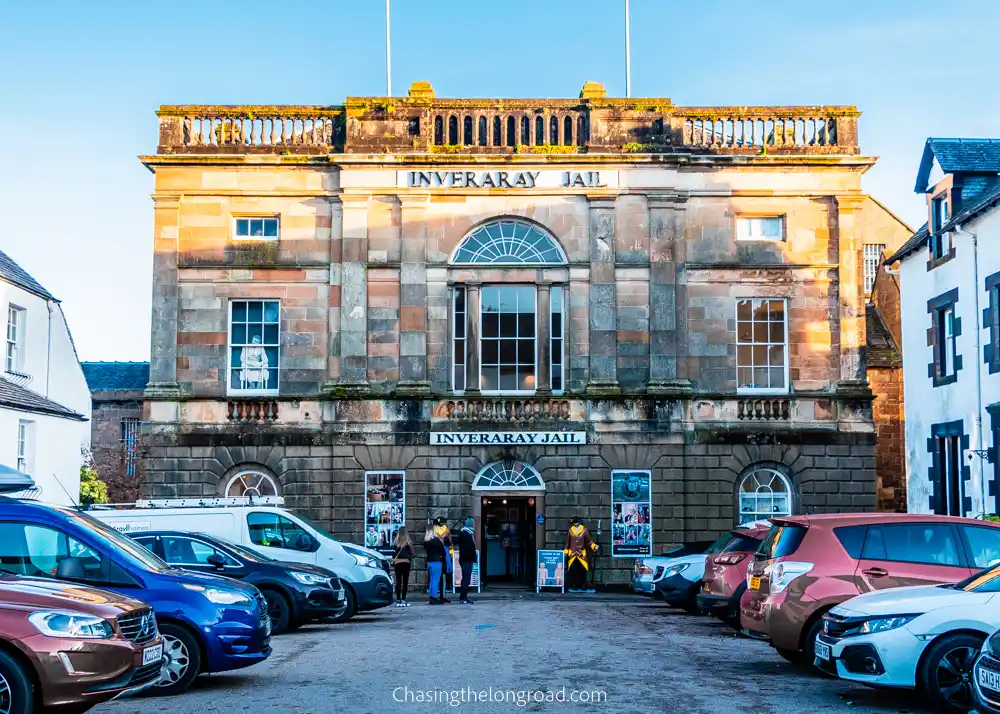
(264, 526)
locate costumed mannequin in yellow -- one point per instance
(442, 531)
(580, 549)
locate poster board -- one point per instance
(551, 570)
(631, 514)
(456, 578)
(385, 509)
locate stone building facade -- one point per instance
(515, 303)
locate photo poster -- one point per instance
(631, 514)
(456, 580)
(385, 513)
(551, 570)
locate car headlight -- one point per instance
(884, 624)
(58, 623)
(310, 578)
(219, 596)
(675, 570)
(366, 561)
(782, 574)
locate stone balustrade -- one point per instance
(249, 129)
(764, 408)
(761, 129)
(503, 411)
(252, 411)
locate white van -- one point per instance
(262, 525)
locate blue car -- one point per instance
(208, 623)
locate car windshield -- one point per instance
(742, 544)
(132, 551)
(719, 545)
(312, 524)
(240, 550)
(985, 581)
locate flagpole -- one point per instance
(388, 54)
(628, 55)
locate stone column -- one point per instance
(413, 297)
(163, 344)
(543, 367)
(472, 383)
(602, 329)
(354, 295)
(336, 256)
(666, 238)
(851, 316)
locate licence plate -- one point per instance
(152, 654)
(822, 651)
(754, 583)
(706, 587)
(989, 679)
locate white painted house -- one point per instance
(44, 399)
(950, 312)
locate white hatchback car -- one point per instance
(925, 637)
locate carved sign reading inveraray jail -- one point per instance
(467, 438)
(507, 179)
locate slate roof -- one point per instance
(958, 155)
(15, 274)
(14, 396)
(116, 376)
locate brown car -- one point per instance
(808, 564)
(69, 647)
(725, 578)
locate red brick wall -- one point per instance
(890, 472)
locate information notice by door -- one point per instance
(551, 570)
(456, 580)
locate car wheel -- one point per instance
(182, 660)
(279, 610)
(352, 606)
(945, 673)
(17, 691)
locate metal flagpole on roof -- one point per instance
(628, 55)
(388, 54)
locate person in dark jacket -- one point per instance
(435, 563)
(466, 557)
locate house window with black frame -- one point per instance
(991, 320)
(948, 471)
(946, 326)
(940, 242)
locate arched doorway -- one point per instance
(511, 496)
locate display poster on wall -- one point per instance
(385, 495)
(631, 514)
(551, 569)
(476, 582)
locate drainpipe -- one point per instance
(979, 352)
(48, 350)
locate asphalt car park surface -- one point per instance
(642, 655)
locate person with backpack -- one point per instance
(436, 554)
(401, 557)
(466, 558)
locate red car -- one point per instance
(725, 578)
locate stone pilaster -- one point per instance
(543, 366)
(354, 295)
(163, 345)
(472, 382)
(413, 321)
(603, 348)
(333, 366)
(851, 315)
(666, 244)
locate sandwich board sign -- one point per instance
(551, 570)
(456, 579)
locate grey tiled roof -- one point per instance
(15, 396)
(14, 273)
(882, 349)
(958, 155)
(116, 376)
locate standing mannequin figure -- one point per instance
(580, 549)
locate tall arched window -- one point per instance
(251, 483)
(568, 131)
(764, 493)
(525, 130)
(467, 132)
(497, 131)
(539, 131)
(554, 131)
(581, 130)
(438, 130)
(508, 241)
(511, 132)
(452, 130)
(482, 131)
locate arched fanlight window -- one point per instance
(508, 476)
(251, 483)
(509, 241)
(764, 493)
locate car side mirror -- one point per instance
(304, 542)
(217, 560)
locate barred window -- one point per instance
(129, 444)
(872, 258)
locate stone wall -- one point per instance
(890, 456)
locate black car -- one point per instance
(986, 677)
(296, 593)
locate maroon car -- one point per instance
(725, 578)
(70, 647)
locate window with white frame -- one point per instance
(761, 345)
(255, 227)
(760, 228)
(947, 339)
(507, 338)
(254, 346)
(25, 446)
(940, 242)
(872, 258)
(764, 493)
(14, 357)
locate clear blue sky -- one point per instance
(80, 82)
